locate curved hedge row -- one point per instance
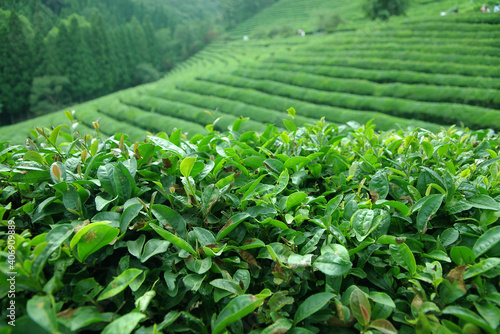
(403, 54)
(384, 76)
(160, 103)
(335, 115)
(441, 113)
(388, 64)
(261, 115)
(471, 96)
(151, 122)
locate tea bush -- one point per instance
(300, 231)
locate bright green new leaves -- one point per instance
(429, 206)
(312, 305)
(187, 166)
(238, 308)
(119, 284)
(487, 241)
(89, 239)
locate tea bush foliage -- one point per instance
(294, 229)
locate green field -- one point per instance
(421, 70)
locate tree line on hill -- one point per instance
(55, 53)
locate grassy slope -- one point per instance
(413, 71)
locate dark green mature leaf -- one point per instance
(380, 184)
(168, 217)
(235, 310)
(295, 199)
(154, 247)
(279, 300)
(360, 307)
(335, 262)
(383, 326)
(469, 316)
(125, 324)
(482, 267)
(228, 286)
(462, 255)
(128, 215)
(174, 239)
(119, 283)
(430, 205)
(282, 182)
(231, 224)
(484, 202)
(404, 257)
(55, 239)
(88, 315)
(42, 311)
(364, 222)
(312, 305)
(487, 241)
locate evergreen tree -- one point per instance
(18, 70)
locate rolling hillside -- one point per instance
(421, 70)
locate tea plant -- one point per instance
(299, 230)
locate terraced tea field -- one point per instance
(422, 70)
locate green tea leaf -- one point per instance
(237, 308)
(173, 239)
(34, 156)
(484, 202)
(128, 215)
(187, 166)
(154, 247)
(119, 283)
(469, 316)
(487, 241)
(383, 325)
(88, 315)
(124, 324)
(227, 285)
(295, 199)
(482, 267)
(41, 310)
(199, 266)
(312, 305)
(55, 238)
(169, 217)
(282, 182)
(333, 263)
(430, 206)
(231, 224)
(93, 237)
(380, 184)
(382, 298)
(404, 257)
(462, 255)
(360, 307)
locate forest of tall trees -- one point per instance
(54, 53)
